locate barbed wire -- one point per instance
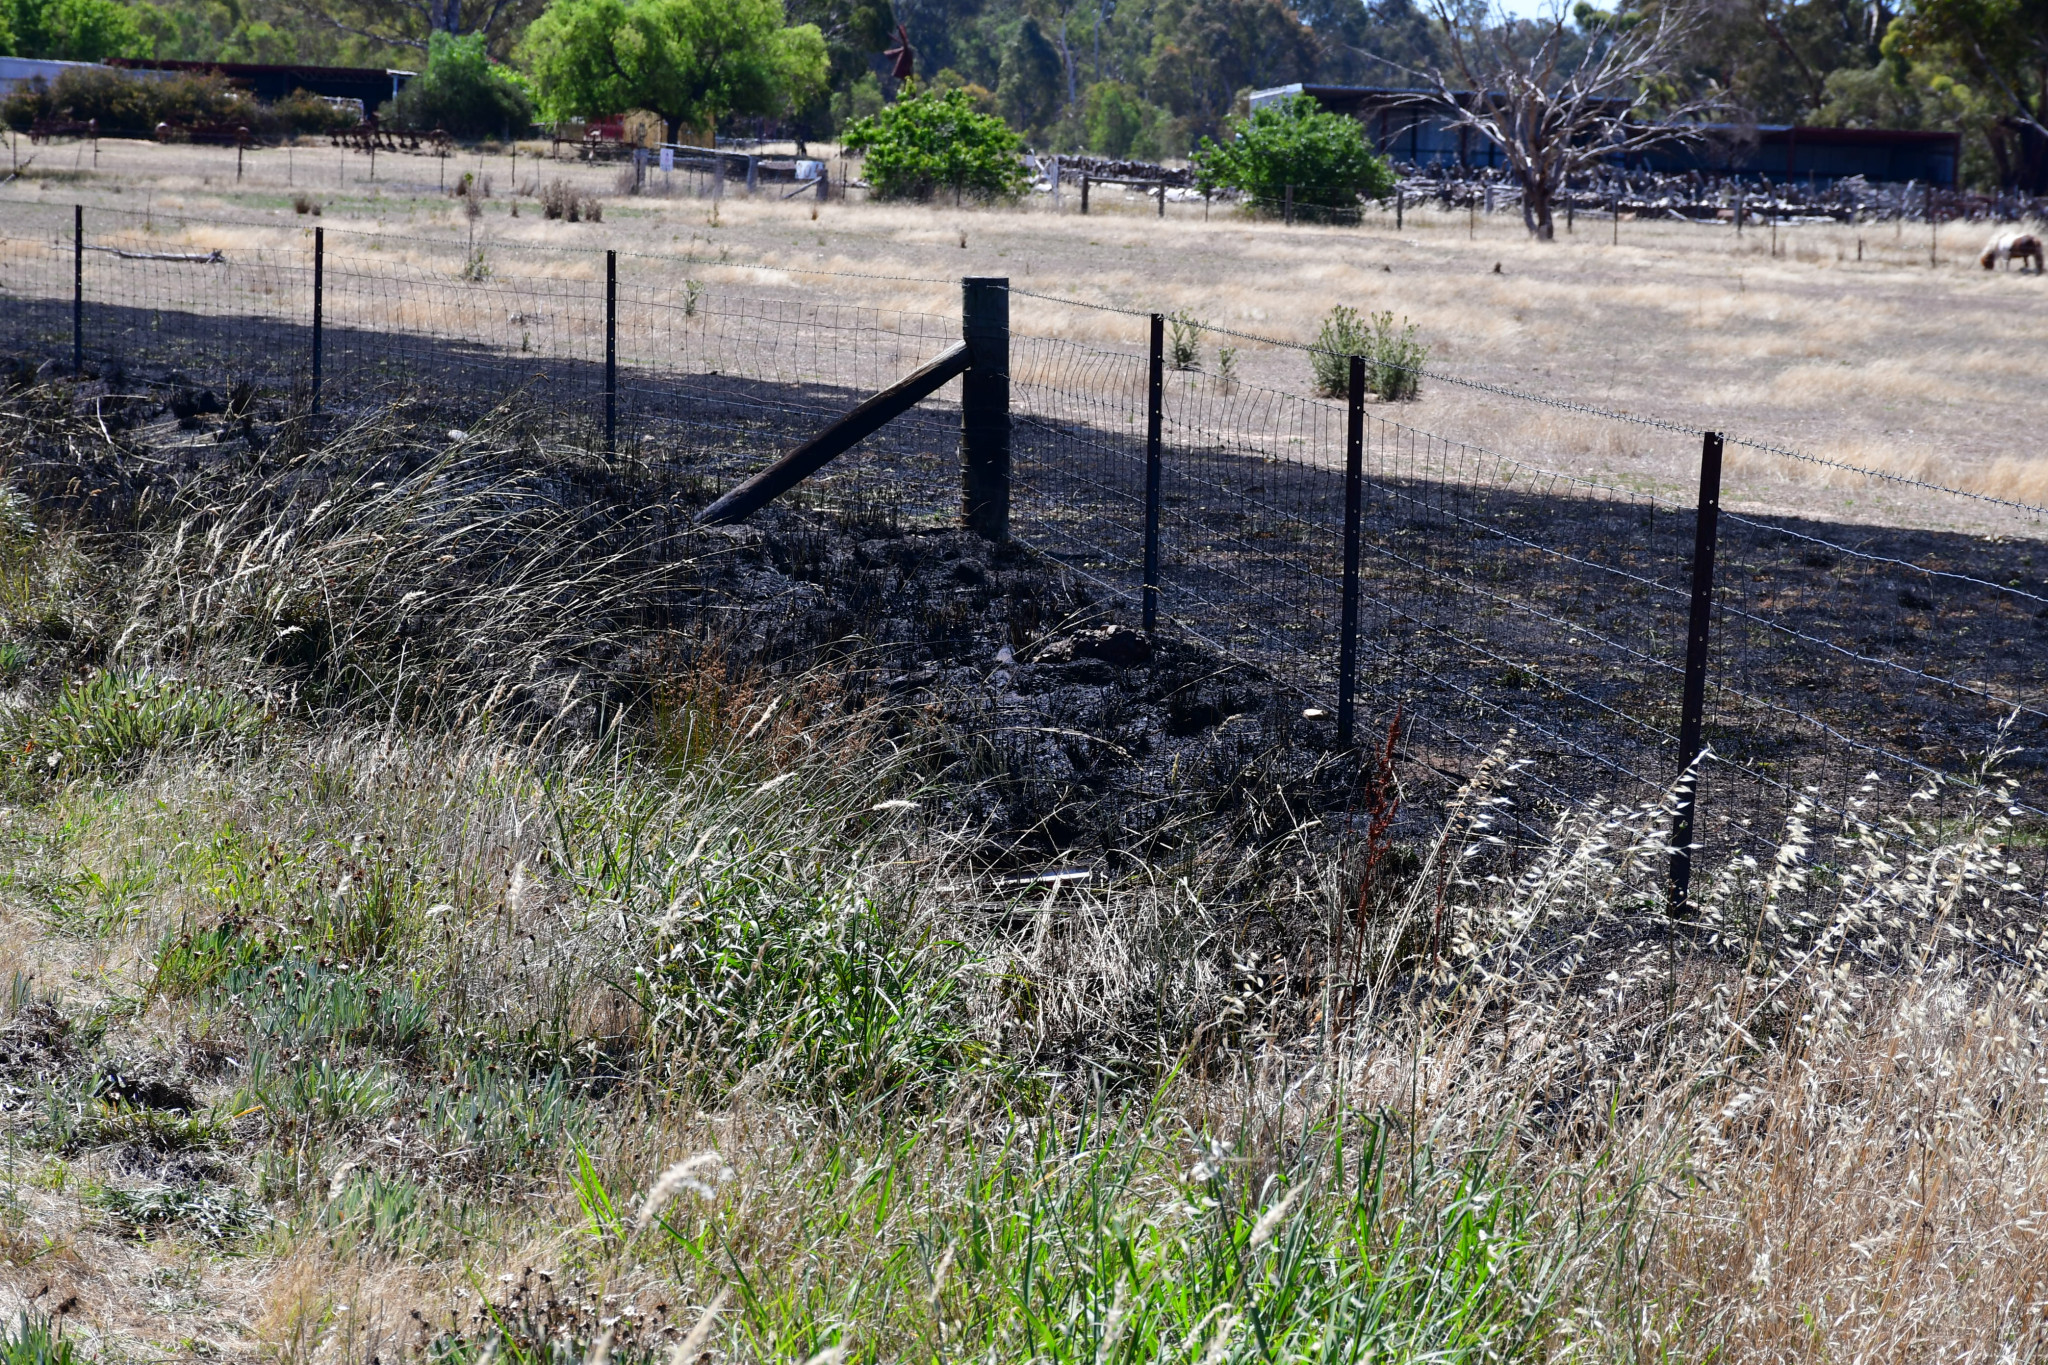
(2004, 588)
(1781, 451)
(1419, 372)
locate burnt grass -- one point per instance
(1055, 732)
(1486, 607)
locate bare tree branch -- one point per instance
(320, 16)
(1816, 85)
(1553, 109)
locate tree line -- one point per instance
(1146, 78)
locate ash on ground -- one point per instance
(1070, 732)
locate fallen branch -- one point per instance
(190, 257)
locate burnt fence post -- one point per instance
(78, 291)
(985, 407)
(611, 350)
(1155, 415)
(1354, 506)
(319, 307)
(1692, 719)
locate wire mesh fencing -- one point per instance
(1490, 592)
(1495, 594)
(641, 358)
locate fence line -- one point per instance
(1471, 591)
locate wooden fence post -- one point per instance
(985, 406)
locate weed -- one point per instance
(1183, 341)
(215, 1213)
(35, 1340)
(1344, 334)
(113, 718)
(693, 293)
(477, 268)
(1226, 368)
(156, 1130)
(1393, 357)
(391, 1212)
(811, 977)
(326, 1094)
(560, 199)
(301, 1002)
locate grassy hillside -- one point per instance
(428, 939)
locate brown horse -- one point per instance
(2025, 245)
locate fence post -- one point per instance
(78, 291)
(985, 407)
(1162, 199)
(1155, 415)
(1693, 718)
(611, 350)
(319, 305)
(1084, 194)
(1288, 211)
(1400, 205)
(1354, 500)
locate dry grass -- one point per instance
(1686, 322)
(1507, 1111)
(1804, 1122)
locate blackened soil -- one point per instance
(1071, 733)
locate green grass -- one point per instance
(112, 719)
(448, 975)
(33, 1340)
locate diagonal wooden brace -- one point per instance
(835, 440)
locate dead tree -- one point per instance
(1559, 103)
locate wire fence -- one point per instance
(1494, 594)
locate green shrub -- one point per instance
(1392, 354)
(1343, 335)
(936, 140)
(1322, 157)
(462, 92)
(303, 112)
(126, 106)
